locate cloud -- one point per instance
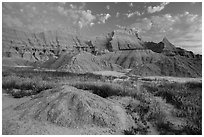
(190, 41)
(154, 9)
(86, 18)
(82, 17)
(103, 17)
(48, 16)
(83, 5)
(129, 15)
(11, 21)
(61, 10)
(167, 22)
(91, 24)
(131, 4)
(121, 27)
(117, 14)
(107, 7)
(184, 30)
(142, 25)
(163, 23)
(73, 6)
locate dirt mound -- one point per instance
(80, 63)
(71, 107)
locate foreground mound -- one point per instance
(71, 107)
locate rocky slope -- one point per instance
(80, 63)
(38, 46)
(149, 63)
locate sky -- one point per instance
(180, 22)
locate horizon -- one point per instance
(180, 22)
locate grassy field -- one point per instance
(160, 104)
(186, 99)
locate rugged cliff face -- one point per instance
(168, 49)
(124, 39)
(32, 47)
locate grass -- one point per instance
(148, 109)
(19, 87)
(50, 75)
(105, 90)
(186, 98)
(20, 82)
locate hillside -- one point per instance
(149, 63)
(79, 63)
(117, 50)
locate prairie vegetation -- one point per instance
(168, 108)
(187, 101)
